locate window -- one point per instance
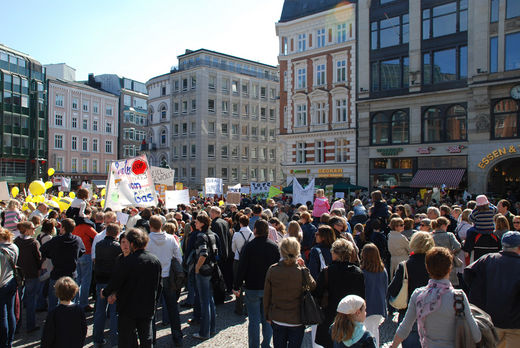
(512, 50)
(255, 91)
(320, 74)
(211, 150)
(445, 19)
(58, 141)
(302, 78)
(74, 143)
(108, 146)
(95, 145)
(163, 112)
(59, 100)
(302, 42)
(234, 86)
(95, 107)
(512, 9)
(300, 153)
(193, 151)
(272, 154)
(263, 133)
(85, 105)
(245, 152)
(59, 164)
(389, 32)
(212, 82)
(505, 119)
(108, 127)
(225, 106)
(319, 153)
(163, 137)
(263, 92)
(320, 38)
(390, 74)
(301, 115)
(184, 151)
(341, 110)
(184, 128)
(234, 174)
(211, 127)
(85, 124)
(272, 115)
(342, 33)
(493, 54)
(442, 68)
(75, 103)
(193, 82)
(342, 150)
(234, 129)
(176, 129)
(224, 174)
(225, 85)
(442, 124)
(244, 173)
(193, 128)
(74, 123)
(84, 165)
(94, 166)
(390, 127)
(341, 70)
(254, 152)
(184, 85)
(211, 105)
(108, 110)
(224, 129)
(245, 110)
(163, 90)
(58, 120)
(235, 109)
(320, 113)
(176, 107)
(263, 113)
(224, 151)
(245, 89)
(254, 172)
(184, 106)
(234, 151)
(272, 93)
(74, 165)
(245, 130)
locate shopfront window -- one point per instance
(390, 127)
(442, 124)
(392, 172)
(505, 119)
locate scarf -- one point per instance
(427, 302)
(359, 331)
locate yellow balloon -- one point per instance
(37, 187)
(24, 207)
(60, 194)
(102, 203)
(40, 199)
(28, 199)
(50, 172)
(48, 184)
(15, 191)
(95, 196)
(72, 195)
(103, 192)
(64, 203)
(221, 203)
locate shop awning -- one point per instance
(425, 178)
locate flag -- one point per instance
(274, 191)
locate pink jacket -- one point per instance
(321, 206)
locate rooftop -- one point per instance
(190, 52)
(294, 9)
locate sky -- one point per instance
(138, 39)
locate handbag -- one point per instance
(310, 312)
(401, 300)
(463, 338)
(176, 275)
(17, 271)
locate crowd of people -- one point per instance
(364, 259)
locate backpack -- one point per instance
(485, 244)
(243, 246)
(17, 271)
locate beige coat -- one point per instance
(399, 249)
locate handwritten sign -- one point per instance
(130, 184)
(233, 198)
(235, 188)
(122, 217)
(174, 198)
(213, 186)
(163, 176)
(260, 187)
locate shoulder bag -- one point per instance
(310, 311)
(17, 271)
(401, 300)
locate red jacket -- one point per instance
(87, 234)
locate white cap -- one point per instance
(350, 304)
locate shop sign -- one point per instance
(390, 152)
(300, 171)
(455, 148)
(425, 150)
(496, 154)
(330, 173)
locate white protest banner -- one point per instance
(163, 176)
(130, 184)
(174, 198)
(213, 186)
(245, 190)
(233, 198)
(65, 184)
(260, 187)
(235, 188)
(339, 195)
(4, 191)
(303, 195)
(122, 217)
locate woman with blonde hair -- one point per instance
(294, 230)
(283, 290)
(397, 244)
(501, 225)
(348, 329)
(12, 216)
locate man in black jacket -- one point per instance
(64, 251)
(107, 252)
(136, 286)
(220, 227)
(256, 258)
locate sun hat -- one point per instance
(350, 304)
(482, 200)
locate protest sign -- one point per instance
(303, 195)
(233, 198)
(130, 184)
(213, 186)
(340, 194)
(122, 217)
(235, 188)
(4, 191)
(260, 187)
(163, 176)
(245, 190)
(65, 184)
(179, 186)
(176, 197)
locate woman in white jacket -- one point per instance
(240, 238)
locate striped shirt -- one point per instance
(483, 219)
(11, 219)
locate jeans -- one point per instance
(172, 308)
(41, 302)
(100, 316)
(7, 316)
(287, 336)
(127, 328)
(191, 289)
(255, 311)
(207, 305)
(196, 300)
(84, 277)
(28, 297)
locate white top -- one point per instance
(98, 238)
(165, 247)
(81, 204)
(238, 241)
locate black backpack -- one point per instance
(485, 244)
(246, 241)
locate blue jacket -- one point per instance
(309, 230)
(314, 263)
(375, 290)
(494, 285)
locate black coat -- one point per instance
(220, 227)
(107, 252)
(344, 279)
(136, 282)
(64, 251)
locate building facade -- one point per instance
(317, 83)
(23, 115)
(83, 131)
(133, 122)
(215, 115)
(438, 95)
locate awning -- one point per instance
(425, 178)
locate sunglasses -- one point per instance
(399, 225)
(516, 222)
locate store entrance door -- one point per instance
(504, 177)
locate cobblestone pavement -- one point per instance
(231, 331)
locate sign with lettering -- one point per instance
(260, 187)
(330, 171)
(130, 183)
(299, 171)
(455, 148)
(390, 152)
(493, 155)
(163, 176)
(176, 197)
(425, 150)
(213, 186)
